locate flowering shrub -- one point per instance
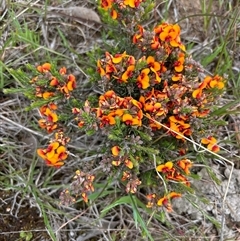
(152, 99)
(124, 10)
(51, 87)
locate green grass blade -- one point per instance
(138, 219)
(225, 109)
(120, 201)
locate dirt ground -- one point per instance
(17, 218)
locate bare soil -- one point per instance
(18, 217)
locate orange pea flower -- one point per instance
(69, 86)
(152, 63)
(130, 3)
(158, 29)
(202, 113)
(107, 120)
(170, 33)
(81, 124)
(63, 71)
(157, 79)
(130, 120)
(54, 154)
(100, 70)
(155, 44)
(61, 153)
(208, 82)
(178, 65)
(177, 77)
(171, 173)
(143, 79)
(44, 68)
(179, 126)
(136, 103)
(51, 116)
(165, 201)
(152, 100)
(114, 14)
(137, 37)
(185, 164)
(118, 57)
(115, 150)
(174, 175)
(168, 166)
(84, 197)
(131, 60)
(50, 106)
(118, 112)
(71, 82)
(50, 151)
(128, 73)
(110, 68)
(46, 95)
(116, 163)
(128, 164)
(211, 143)
(217, 82)
(152, 107)
(54, 81)
(106, 4)
(50, 127)
(197, 93)
(154, 125)
(108, 94)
